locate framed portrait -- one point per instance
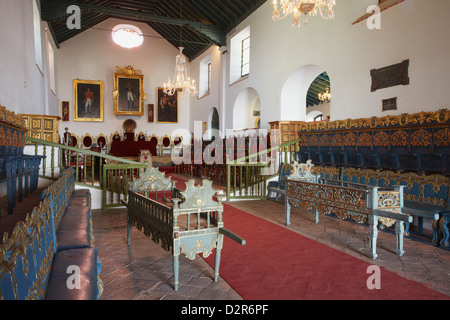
(88, 100)
(128, 92)
(151, 113)
(167, 107)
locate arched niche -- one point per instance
(214, 121)
(246, 109)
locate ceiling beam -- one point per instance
(214, 33)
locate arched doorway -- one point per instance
(294, 93)
(214, 122)
(317, 107)
(246, 110)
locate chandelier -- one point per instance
(325, 97)
(182, 83)
(306, 7)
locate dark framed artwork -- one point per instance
(397, 74)
(128, 92)
(65, 111)
(151, 112)
(167, 107)
(88, 100)
(389, 104)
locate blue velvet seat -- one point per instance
(336, 154)
(280, 184)
(436, 161)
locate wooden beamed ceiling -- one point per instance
(193, 24)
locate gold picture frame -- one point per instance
(88, 100)
(128, 94)
(166, 107)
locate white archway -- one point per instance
(312, 115)
(294, 91)
(246, 102)
(213, 122)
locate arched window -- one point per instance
(319, 117)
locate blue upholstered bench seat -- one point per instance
(279, 186)
(86, 259)
(57, 235)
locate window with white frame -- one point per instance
(240, 55)
(51, 66)
(245, 57)
(205, 77)
(37, 35)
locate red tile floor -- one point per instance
(144, 271)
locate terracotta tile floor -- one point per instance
(144, 271)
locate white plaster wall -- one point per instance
(93, 55)
(201, 106)
(24, 88)
(414, 30)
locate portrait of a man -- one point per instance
(88, 104)
(128, 94)
(167, 110)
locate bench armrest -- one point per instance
(232, 235)
(393, 215)
(421, 213)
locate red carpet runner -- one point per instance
(278, 264)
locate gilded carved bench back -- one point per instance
(422, 189)
(26, 256)
(421, 132)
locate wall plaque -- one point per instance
(397, 74)
(390, 104)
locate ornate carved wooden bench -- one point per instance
(350, 201)
(56, 236)
(425, 197)
(171, 224)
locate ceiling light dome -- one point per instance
(127, 36)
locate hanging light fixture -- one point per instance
(127, 36)
(325, 97)
(306, 7)
(181, 81)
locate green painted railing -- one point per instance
(247, 176)
(92, 169)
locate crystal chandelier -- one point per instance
(182, 83)
(306, 7)
(325, 97)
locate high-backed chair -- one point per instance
(351, 157)
(381, 150)
(337, 156)
(313, 150)
(140, 136)
(165, 145)
(154, 142)
(87, 141)
(101, 141)
(419, 143)
(437, 160)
